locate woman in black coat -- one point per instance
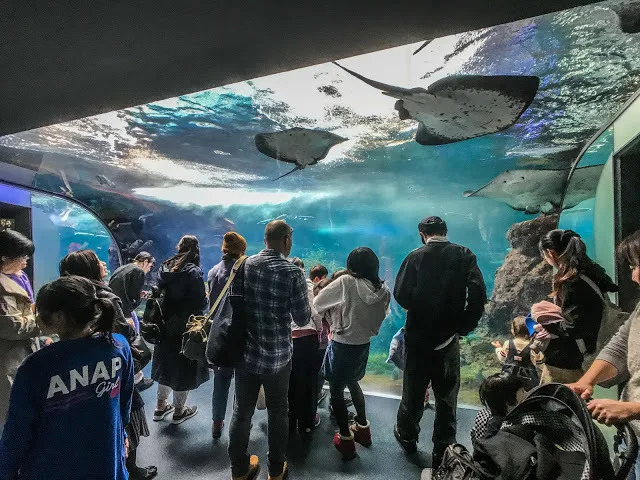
(582, 306)
(182, 282)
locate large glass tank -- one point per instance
(192, 164)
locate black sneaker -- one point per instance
(144, 384)
(348, 401)
(186, 414)
(161, 414)
(143, 473)
(410, 446)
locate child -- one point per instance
(549, 318)
(499, 393)
(518, 356)
(323, 338)
(70, 402)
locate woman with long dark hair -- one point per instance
(182, 282)
(577, 284)
(86, 264)
(18, 329)
(70, 401)
(364, 301)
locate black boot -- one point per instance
(139, 473)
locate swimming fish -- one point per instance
(102, 180)
(300, 146)
(535, 191)
(460, 107)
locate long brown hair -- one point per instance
(629, 250)
(188, 252)
(570, 252)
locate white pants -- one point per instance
(179, 398)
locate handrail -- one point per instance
(590, 142)
(71, 200)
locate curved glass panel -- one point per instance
(201, 164)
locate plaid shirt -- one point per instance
(275, 292)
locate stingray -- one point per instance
(535, 191)
(460, 107)
(300, 146)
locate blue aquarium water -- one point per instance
(190, 164)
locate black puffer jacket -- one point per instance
(120, 324)
(582, 311)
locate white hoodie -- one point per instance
(363, 308)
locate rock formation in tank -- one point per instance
(524, 278)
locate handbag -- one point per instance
(194, 340)
(227, 336)
(141, 353)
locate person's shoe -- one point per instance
(161, 414)
(144, 384)
(345, 445)
(283, 475)
(362, 433)
(143, 473)
(186, 414)
(254, 470)
(348, 401)
(316, 421)
(216, 429)
(410, 446)
(321, 396)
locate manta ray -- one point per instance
(460, 107)
(300, 146)
(535, 191)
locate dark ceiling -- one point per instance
(67, 59)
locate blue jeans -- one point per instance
(221, 384)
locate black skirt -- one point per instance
(345, 363)
(172, 369)
(137, 427)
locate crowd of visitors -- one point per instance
(70, 378)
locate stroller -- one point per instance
(549, 435)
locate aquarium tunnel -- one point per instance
(510, 131)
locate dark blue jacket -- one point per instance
(218, 276)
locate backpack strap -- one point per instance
(595, 287)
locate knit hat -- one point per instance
(234, 244)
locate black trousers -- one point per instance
(442, 369)
(303, 383)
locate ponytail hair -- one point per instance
(570, 252)
(75, 297)
(188, 252)
(363, 263)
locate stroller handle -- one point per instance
(628, 458)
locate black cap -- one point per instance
(430, 224)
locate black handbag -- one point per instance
(141, 353)
(227, 336)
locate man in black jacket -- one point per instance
(442, 289)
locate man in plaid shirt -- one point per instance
(275, 292)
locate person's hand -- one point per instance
(126, 447)
(612, 412)
(583, 389)
(496, 344)
(538, 328)
(47, 341)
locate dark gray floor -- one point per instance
(187, 451)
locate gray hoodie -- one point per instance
(363, 308)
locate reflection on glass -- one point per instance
(61, 227)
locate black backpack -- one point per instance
(227, 336)
(519, 364)
(153, 323)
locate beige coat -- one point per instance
(18, 330)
